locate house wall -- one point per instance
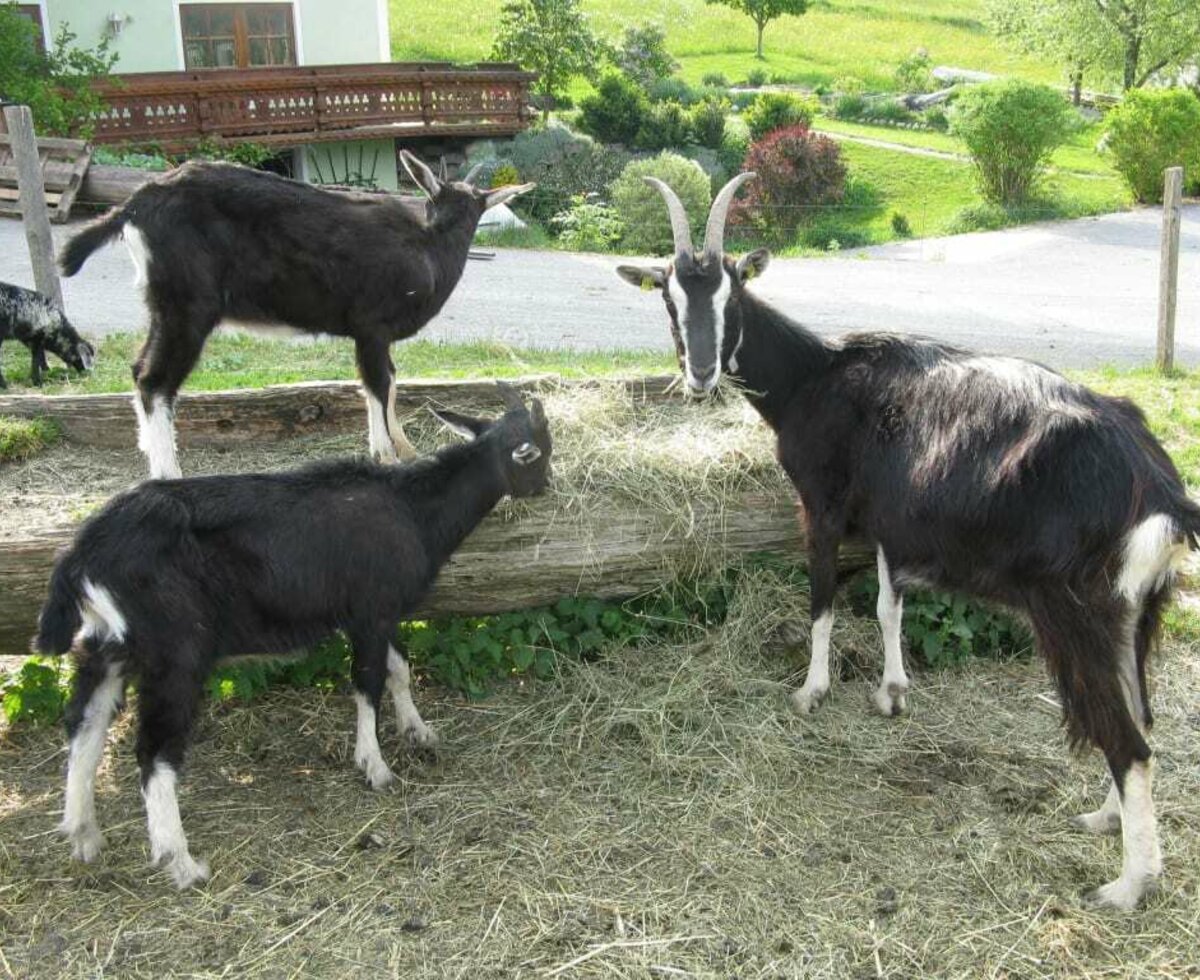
(328, 32)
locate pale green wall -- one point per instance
(328, 31)
(330, 163)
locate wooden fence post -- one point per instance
(32, 196)
(1168, 281)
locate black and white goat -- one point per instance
(215, 242)
(175, 575)
(40, 324)
(990, 475)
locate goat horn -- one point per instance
(679, 219)
(473, 174)
(509, 395)
(714, 233)
(442, 169)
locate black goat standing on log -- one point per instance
(990, 475)
(215, 242)
(175, 575)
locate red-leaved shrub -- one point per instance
(798, 172)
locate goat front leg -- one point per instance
(822, 564)
(891, 697)
(370, 666)
(409, 720)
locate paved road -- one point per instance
(1072, 294)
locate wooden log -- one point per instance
(256, 415)
(1168, 272)
(105, 186)
(510, 562)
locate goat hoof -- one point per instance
(86, 843)
(1123, 894)
(1097, 822)
(806, 701)
(421, 736)
(891, 700)
(380, 777)
(187, 872)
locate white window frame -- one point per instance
(296, 25)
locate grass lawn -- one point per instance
(867, 38)
(1077, 155)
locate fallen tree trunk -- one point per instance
(258, 415)
(510, 562)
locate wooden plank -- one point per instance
(1168, 272)
(34, 215)
(76, 181)
(13, 194)
(621, 550)
(62, 162)
(264, 415)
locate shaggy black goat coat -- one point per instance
(39, 323)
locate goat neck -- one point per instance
(459, 487)
(776, 357)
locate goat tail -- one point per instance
(61, 616)
(82, 245)
(1190, 520)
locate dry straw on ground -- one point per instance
(658, 812)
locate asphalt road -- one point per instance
(1071, 294)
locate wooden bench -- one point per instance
(64, 162)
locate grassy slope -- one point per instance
(837, 37)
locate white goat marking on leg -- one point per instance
(816, 684)
(1142, 859)
(380, 441)
(367, 756)
(87, 749)
(408, 718)
(168, 843)
(404, 448)
(891, 696)
(156, 437)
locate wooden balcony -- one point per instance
(286, 106)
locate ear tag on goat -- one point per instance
(647, 284)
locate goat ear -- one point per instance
(421, 175)
(465, 425)
(753, 264)
(643, 276)
(502, 194)
(537, 414)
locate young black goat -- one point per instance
(991, 475)
(176, 574)
(216, 242)
(40, 325)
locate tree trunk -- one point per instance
(759, 53)
(1077, 87)
(1133, 50)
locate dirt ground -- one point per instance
(656, 813)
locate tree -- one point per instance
(762, 12)
(1130, 41)
(56, 84)
(551, 37)
(643, 55)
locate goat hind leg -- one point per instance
(404, 448)
(370, 676)
(822, 562)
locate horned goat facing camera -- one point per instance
(176, 575)
(216, 243)
(993, 476)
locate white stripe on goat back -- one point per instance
(138, 253)
(101, 617)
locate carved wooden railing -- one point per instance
(175, 110)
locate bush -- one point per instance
(589, 170)
(535, 150)
(643, 56)
(640, 206)
(889, 110)
(504, 175)
(671, 90)
(666, 126)
(849, 85)
(798, 171)
(715, 79)
(22, 438)
(778, 110)
(936, 118)
(588, 225)
(708, 122)
(900, 226)
(849, 107)
(616, 112)
(1010, 129)
(1151, 131)
(914, 75)
(756, 77)
(735, 144)
(55, 83)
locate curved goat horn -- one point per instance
(714, 233)
(473, 174)
(679, 219)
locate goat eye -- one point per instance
(526, 453)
